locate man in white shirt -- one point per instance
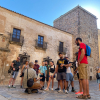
(69, 77)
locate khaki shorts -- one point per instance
(36, 86)
(83, 74)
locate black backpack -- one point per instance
(97, 76)
(10, 69)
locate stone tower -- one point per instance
(82, 23)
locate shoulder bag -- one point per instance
(30, 81)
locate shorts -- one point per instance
(36, 86)
(14, 74)
(43, 78)
(61, 76)
(47, 78)
(83, 74)
(69, 77)
(98, 81)
(78, 75)
(22, 75)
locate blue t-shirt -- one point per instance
(42, 69)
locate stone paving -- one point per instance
(18, 93)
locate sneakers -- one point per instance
(79, 92)
(13, 86)
(52, 89)
(9, 86)
(46, 89)
(67, 88)
(66, 92)
(60, 91)
(57, 89)
(21, 86)
(26, 91)
(42, 88)
(73, 90)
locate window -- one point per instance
(40, 41)
(60, 46)
(16, 35)
(91, 70)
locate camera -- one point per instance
(73, 65)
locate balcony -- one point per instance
(40, 46)
(14, 40)
(62, 50)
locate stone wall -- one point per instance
(82, 24)
(30, 29)
(99, 44)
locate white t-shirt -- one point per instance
(68, 70)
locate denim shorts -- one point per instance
(98, 80)
(69, 77)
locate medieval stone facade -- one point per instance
(82, 23)
(99, 44)
(33, 40)
(29, 39)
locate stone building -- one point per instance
(82, 23)
(32, 40)
(99, 44)
(29, 39)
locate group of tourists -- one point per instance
(48, 71)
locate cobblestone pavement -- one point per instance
(18, 93)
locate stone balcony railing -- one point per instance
(40, 46)
(17, 41)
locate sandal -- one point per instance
(79, 96)
(82, 97)
(88, 96)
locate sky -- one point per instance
(47, 11)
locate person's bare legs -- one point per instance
(87, 88)
(65, 84)
(13, 82)
(58, 84)
(85, 85)
(10, 81)
(49, 82)
(52, 82)
(72, 83)
(61, 84)
(99, 86)
(22, 80)
(80, 85)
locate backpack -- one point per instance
(97, 76)
(88, 50)
(10, 69)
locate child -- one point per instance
(51, 72)
(42, 71)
